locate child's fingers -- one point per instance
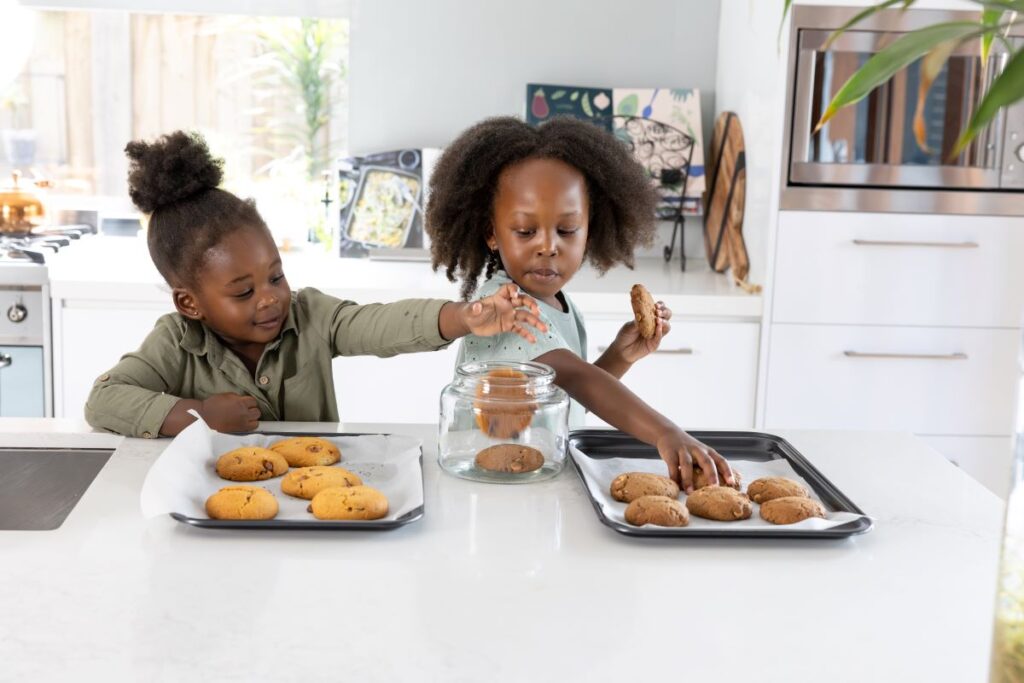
(707, 465)
(724, 470)
(663, 311)
(686, 473)
(528, 318)
(523, 332)
(528, 302)
(672, 461)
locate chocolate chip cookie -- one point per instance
(503, 407)
(644, 310)
(306, 451)
(629, 486)
(242, 502)
(769, 488)
(349, 502)
(306, 482)
(719, 503)
(509, 457)
(791, 509)
(657, 510)
(251, 463)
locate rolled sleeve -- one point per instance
(135, 396)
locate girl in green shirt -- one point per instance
(527, 205)
(242, 346)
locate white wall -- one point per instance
(422, 70)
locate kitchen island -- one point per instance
(505, 583)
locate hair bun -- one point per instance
(174, 167)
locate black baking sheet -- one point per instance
(313, 524)
(756, 446)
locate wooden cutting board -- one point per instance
(724, 200)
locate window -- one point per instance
(268, 93)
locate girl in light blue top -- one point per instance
(528, 205)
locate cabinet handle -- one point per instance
(893, 243)
(912, 356)
(5, 360)
(685, 351)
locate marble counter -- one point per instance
(505, 583)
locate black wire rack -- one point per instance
(665, 152)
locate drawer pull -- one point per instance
(942, 245)
(5, 360)
(912, 356)
(668, 352)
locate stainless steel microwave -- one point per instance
(866, 157)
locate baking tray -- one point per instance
(756, 446)
(313, 524)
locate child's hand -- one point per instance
(507, 310)
(631, 347)
(680, 451)
(231, 412)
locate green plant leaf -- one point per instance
(989, 17)
(931, 65)
(786, 6)
(883, 64)
(861, 16)
(1005, 90)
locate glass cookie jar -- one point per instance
(503, 422)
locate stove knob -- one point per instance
(16, 313)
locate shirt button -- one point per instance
(264, 380)
(147, 435)
(104, 377)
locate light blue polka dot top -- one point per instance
(565, 331)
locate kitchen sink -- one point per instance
(40, 486)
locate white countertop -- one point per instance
(119, 269)
(506, 583)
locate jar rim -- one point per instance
(536, 373)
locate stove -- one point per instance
(37, 245)
(26, 377)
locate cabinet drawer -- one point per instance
(987, 459)
(923, 380)
(897, 269)
(703, 376)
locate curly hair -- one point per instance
(175, 179)
(459, 215)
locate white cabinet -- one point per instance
(986, 458)
(89, 338)
(405, 388)
(905, 322)
(703, 376)
(899, 269)
(920, 379)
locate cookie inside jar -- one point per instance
(503, 422)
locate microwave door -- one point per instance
(872, 143)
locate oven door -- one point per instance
(21, 381)
(871, 143)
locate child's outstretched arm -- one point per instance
(507, 310)
(614, 403)
(629, 346)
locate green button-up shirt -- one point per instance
(182, 358)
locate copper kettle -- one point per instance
(21, 208)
